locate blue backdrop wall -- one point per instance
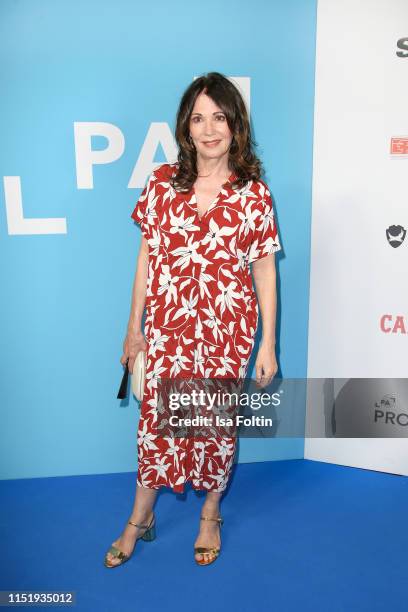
(90, 91)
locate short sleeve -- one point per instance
(265, 240)
(144, 212)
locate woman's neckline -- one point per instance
(215, 200)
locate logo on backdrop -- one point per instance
(399, 147)
(372, 407)
(388, 412)
(393, 324)
(387, 402)
(402, 43)
(395, 235)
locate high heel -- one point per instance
(148, 536)
(201, 550)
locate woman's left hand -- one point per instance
(265, 365)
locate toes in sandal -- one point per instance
(148, 536)
(201, 550)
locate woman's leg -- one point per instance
(142, 513)
(209, 535)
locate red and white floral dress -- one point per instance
(201, 312)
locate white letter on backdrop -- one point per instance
(85, 157)
(159, 133)
(16, 223)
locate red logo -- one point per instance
(399, 146)
(393, 324)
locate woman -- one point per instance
(204, 219)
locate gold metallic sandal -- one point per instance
(148, 536)
(212, 551)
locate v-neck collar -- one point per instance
(193, 200)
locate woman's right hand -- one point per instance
(134, 342)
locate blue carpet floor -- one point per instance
(298, 535)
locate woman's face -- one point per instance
(209, 128)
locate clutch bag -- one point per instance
(138, 375)
(137, 378)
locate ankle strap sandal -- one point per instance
(148, 536)
(201, 550)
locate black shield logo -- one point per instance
(395, 235)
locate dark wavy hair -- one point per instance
(242, 159)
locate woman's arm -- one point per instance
(139, 288)
(135, 341)
(264, 273)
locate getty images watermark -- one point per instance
(219, 405)
(214, 408)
